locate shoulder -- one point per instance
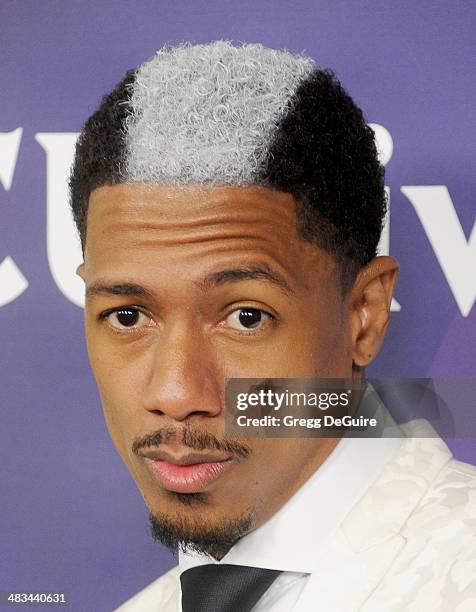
(449, 504)
(458, 474)
(437, 566)
(162, 595)
(443, 517)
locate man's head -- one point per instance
(229, 201)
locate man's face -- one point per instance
(189, 287)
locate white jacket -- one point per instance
(408, 545)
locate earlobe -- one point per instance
(371, 298)
(80, 270)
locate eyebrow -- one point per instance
(102, 288)
(215, 279)
(258, 272)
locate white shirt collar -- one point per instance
(292, 539)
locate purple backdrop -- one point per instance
(72, 520)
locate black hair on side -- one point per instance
(324, 154)
(100, 151)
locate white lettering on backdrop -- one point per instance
(12, 281)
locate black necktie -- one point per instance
(224, 587)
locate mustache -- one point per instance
(193, 439)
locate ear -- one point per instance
(80, 270)
(370, 300)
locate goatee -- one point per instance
(188, 536)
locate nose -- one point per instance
(183, 377)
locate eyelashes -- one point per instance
(127, 319)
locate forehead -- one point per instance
(179, 228)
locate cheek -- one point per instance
(119, 387)
(334, 356)
(320, 347)
(330, 340)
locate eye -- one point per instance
(126, 318)
(243, 319)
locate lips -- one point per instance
(186, 473)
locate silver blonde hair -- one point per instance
(207, 113)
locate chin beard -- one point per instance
(194, 535)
